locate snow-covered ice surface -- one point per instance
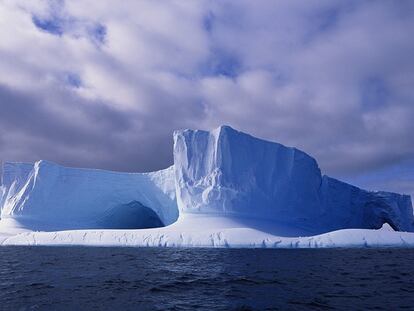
(205, 232)
(226, 188)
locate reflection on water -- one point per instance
(76, 278)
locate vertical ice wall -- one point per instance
(14, 177)
(231, 173)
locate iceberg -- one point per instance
(225, 189)
(231, 173)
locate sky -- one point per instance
(104, 84)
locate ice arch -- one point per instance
(132, 215)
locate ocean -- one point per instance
(91, 278)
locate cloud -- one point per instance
(90, 83)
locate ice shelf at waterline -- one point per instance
(225, 189)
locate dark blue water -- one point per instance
(63, 278)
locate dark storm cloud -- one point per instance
(87, 83)
(29, 114)
(78, 133)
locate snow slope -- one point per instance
(225, 189)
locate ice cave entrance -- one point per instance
(132, 215)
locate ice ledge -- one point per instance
(225, 238)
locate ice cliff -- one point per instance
(231, 173)
(222, 173)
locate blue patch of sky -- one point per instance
(398, 177)
(73, 80)
(221, 63)
(374, 93)
(208, 21)
(57, 23)
(98, 33)
(326, 20)
(52, 24)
